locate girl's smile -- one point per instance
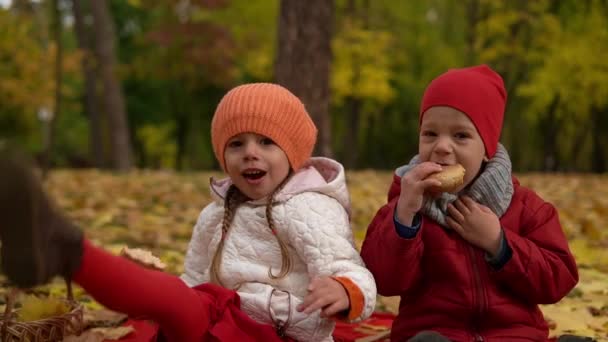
(254, 176)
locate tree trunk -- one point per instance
(112, 93)
(351, 138)
(22, 6)
(354, 104)
(52, 123)
(551, 124)
(304, 58)
(472, 17)
(91, 105)
(182, 125)
(598, 152)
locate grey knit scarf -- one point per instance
(493, 187)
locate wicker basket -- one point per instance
(43, 330)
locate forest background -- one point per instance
(133, 83)
(95, 87)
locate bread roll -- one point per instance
(451, 178)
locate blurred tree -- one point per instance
(82, 29)
(511, 35)
(29, 82)
(176, 58)
(57, 30)
(304, 58)
(193, 57)
(112, 93)
(22, 7)
(567, 90)
(472, 18)
(410, 43)
(360, 77)
(543, 49)
(252, 25)
(26, 85)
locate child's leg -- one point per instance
(121, 285)
(38, 242)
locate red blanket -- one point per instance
(375, 328)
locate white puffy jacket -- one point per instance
(311, 216)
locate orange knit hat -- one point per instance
(266, 109)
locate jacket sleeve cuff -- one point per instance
(503, 256)
(355, 296)
(404, 231)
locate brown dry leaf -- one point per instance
(143, 257)
(103, 318)
(86, 336)
(114, 333)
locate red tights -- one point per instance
(204, 313)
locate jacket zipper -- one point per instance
(478, 297)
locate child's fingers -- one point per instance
(316, 305)
(423, 170)
(420, 172)
(454, 225)
(455, 214)
(485, 209)
(462, 208)
(308, 300)
(468, 202)
(333, 309)
(432, 182)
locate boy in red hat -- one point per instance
(471, 265)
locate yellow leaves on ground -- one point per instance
(34, 308)
(157, 210)
(583, 312)
(152, 209)
(368, 191)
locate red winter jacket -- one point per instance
(446, 285)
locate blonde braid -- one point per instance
(233, 199)
(286, 264)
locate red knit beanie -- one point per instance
(478, 92)
(266, 109)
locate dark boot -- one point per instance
(38, 243)
(428, 336)
(574, 338)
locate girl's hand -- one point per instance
(413, 187)
(326, 294)
(476, 223)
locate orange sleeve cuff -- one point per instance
(354, 295)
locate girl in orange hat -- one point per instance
(271, 258)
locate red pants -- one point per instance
(205, 313)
